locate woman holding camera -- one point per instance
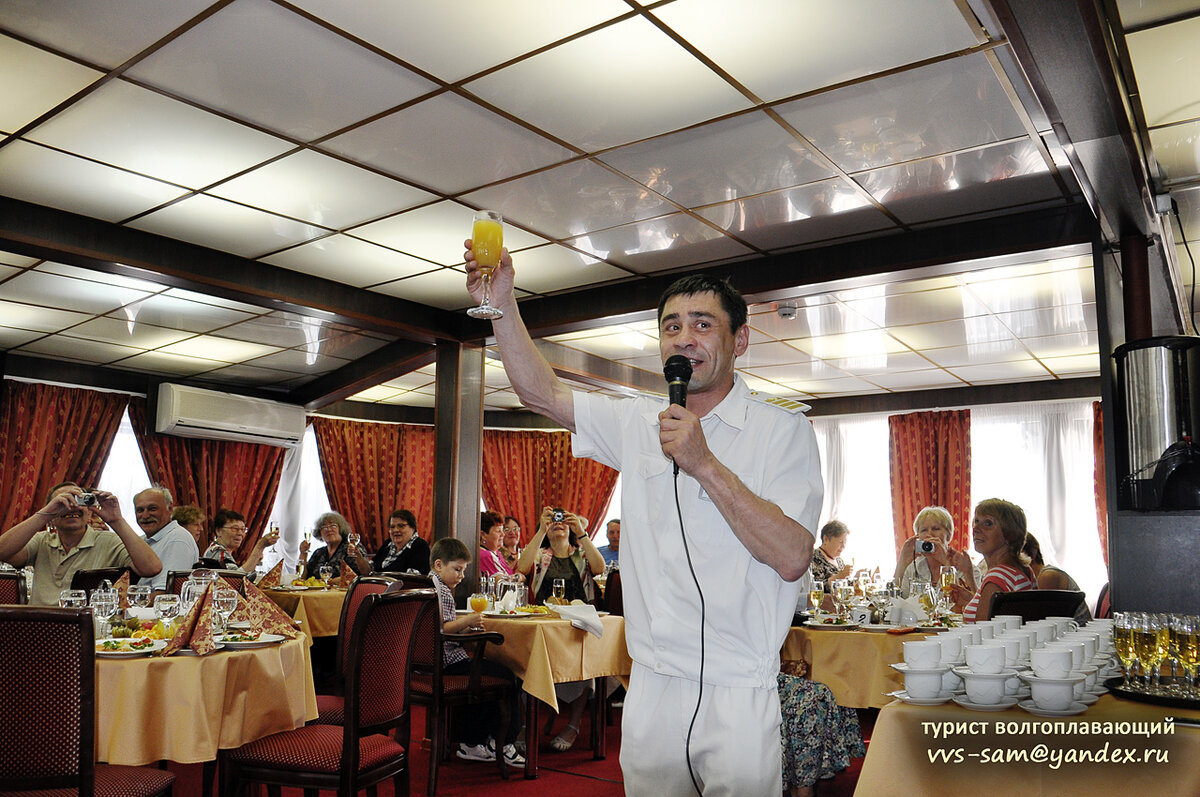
(924, 555)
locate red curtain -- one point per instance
(524, 471)
(1098, 478)
(930, 460)
(212, 474)
(50, 434)
(373, 469)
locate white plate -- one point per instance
(1005, 703)
(1005, 673)
(514, 616)
(921, 701)
(187, 651)
(1032, 708)
(155, 646)
(830, 626)
(239, 625)
(1088, 699)
(880, 628)
(262, 641)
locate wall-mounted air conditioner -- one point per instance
(193, 412)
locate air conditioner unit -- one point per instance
(193, 412)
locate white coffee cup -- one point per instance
(1011, 621)
(987, 629)
(923, 684)
(1022, 641)
(1091, 643)
(1076, 648)
(1055, 694)
(986, 658)
(986, 689)
(1064, 624)
(974, 632)
(1012, 648)
(1050, 662)
(922, 654)
(951, 681)
(1044, 631)
(1090, 675)
(951, 646)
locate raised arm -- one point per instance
(527, 370)
(13, 541)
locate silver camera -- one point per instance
(925, 546)
(86, 499)
(558, 516)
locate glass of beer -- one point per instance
(560, 589)
(816, 595)
(487, 238)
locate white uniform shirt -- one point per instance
(748, 605)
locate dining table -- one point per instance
(546, 650)
(1116, 747)
(855, 664)
(316, 610)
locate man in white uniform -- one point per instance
(749, 492)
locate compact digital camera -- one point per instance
(925, 546)
(86, 499)
(558, 516)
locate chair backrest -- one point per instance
(427, 644)
(413, 580)
(377, 667)
(614, 599)
(47, 699)
(176, 579)
(12, 587)
(1036, 604)
(88, 580)
(359, 588)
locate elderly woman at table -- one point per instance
(229, 530)
(491, 536)
(562, 550)
(335, 531)
(405, 551)
(932, 524)
(827, 564)
(191, 517)
(998, 531)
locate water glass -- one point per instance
(225, 603)
(139, 595)
(72, 599)
(325, 573)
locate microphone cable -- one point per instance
(687, 749)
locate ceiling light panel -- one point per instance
(738, 157)
(660, 244)
(1177, 151)
(479, 34)
(915, 308)
(120, 280)
(223, 349)
(982, 329)
(1043, 290)
(649, 85)
(150, 134)
(1074, 365)
(159, 362)
(939, 108)
(811, 321)
(32, 81)
(376, 393)
(323, 190)
(48, 177)
(275, 331)
(249, 375)
(845, 386)
(618, 345)
(434, 232)
(985, 374)
(108, 34)
(999, 351)
(347, 345)
(550, 268)
(88, 351)
(867, 343)
(127, 333)
(806, 370)
(1080, 344)
(13, 259)
(1063, 319)
(301, 362)
(215, 301)
(245, 60)
(1165, 61)
(413, 144)
(213, 222)
(916, 380)
(51, 290)
(350, 260)
(176, 313)
(887, 362)
(445, 288)
(12, 338)
(772, 353)
(779, 48)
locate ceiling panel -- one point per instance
(350, 260)
(226, 225)
(33, 81)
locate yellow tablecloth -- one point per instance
(853, 664)
(899, 756)
(184, 708)
(546, 651)
(317, 611)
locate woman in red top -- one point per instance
(998, 532)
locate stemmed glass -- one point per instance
(225, 602)
(166, 608)
(73, 599)
(139, 595)
(816, 596)
(845, 593)
(1124, 630)
(104, 605)
(487, 238)
(1186, 631)
(325, 573)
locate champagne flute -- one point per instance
(845, 593)
(487, 238)
(816, 594)
(1188, 628)
(1123, 631)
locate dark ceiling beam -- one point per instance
(974, 396)
(388, 362)
(42, 232)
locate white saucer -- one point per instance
(921, 701)
(1005, 703)
(1032, 708)
(1006, 673)
(1098, 690)
(902, 667)
(1088, 699)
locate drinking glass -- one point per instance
(478, 602)
(487, 238)
(816, 595)
(1188, 629)
(225, 602)
(104, 605)
(325, 573)
(1150, 644)
(353, 539)
(1123, 631)
(845, 592)
(192, 591)
(139, 595)
(72, 599)
(560, 588)
(166, 608)
(946, 582)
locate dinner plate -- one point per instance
(921, 701)
(155, 646)
(262, 641)
(238, 625)
(832, 627)
(1032, 708)
(187, 651)
(878, 628)
(1005, 703)
(513, 615)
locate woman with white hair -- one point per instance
(335, 531)
(933, 524)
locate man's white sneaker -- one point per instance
(475, 752)
(512, 757)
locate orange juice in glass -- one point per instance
(487, 239)
(478, 602)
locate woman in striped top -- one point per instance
(998, 532)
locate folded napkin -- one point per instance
(271, 579)
(142, 613)
(122, 588)
(195, 628)
(906, 611)
(242, 612)
(265, 617)
(582, 616)
(508, 602)
(348, 575)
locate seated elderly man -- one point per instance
(71, 543)
(171, 542)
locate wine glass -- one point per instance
(1123, 641)
(166, 608)
(560, 589)
(325, 573)
(225, 602)
(73, 599)
(487, 238)
(139, 595)
(816, 594)
(1187, 631)
(845, 594)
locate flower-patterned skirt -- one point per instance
(819, 736)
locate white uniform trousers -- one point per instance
(735, 746)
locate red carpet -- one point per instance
(574, 772)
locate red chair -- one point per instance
(359, 754)
(331, 708)
(48, 701)
(12, 587)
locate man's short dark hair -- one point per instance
(449, 549)
(731, 301)
(59, 486)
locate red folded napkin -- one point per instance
(271, 579)
(265, 617)
(122, 588)
(348, 575)
(195, 628)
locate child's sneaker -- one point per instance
(512, 757)
(475, 752)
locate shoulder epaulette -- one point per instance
(793, 406)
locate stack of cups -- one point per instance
(923, 671)
(985, 674)
(1055, 687)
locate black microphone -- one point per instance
(678, 372)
